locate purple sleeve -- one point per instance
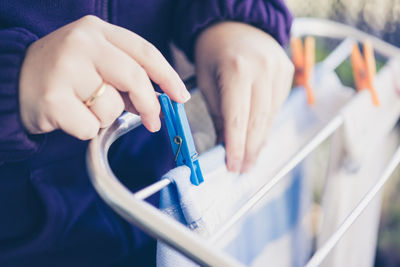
(193, 16)
(15, 142)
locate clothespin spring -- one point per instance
(178, 141)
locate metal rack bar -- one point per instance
(331, 29)
(135, 210)
(322, 135)
(337, 56)
(321, 254)
(152, 189)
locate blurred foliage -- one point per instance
(389, 231)
(344, 70)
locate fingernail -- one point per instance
(155, 126)
(185, 95)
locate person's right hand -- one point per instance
(63, 69)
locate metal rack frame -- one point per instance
(135, 210)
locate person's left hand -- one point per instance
(245, 76)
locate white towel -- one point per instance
(359, 154)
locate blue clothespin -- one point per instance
(181, 137)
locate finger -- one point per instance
(258, 122)
(151, 60)
(131, 78)
(283, 81)
(127, 103)
(278, 85)
(208, 86)
(74, 118)
(280, 90)
(108, 106)
(286, 83)
(235, 96)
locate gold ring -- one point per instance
(96, 94)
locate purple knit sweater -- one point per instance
(49, 213)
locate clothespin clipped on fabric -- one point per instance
(304, 61)
(181, 137)
(364, 69)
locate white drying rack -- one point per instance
(134, 209)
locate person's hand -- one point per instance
(64, 69)
(245, 76)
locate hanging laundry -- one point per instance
(277, 230)
(360, 152)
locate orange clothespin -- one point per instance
(304, 61)
(364, 69)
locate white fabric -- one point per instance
(280, 219)
(360, 151)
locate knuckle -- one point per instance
(90, 20)
(151, 110)
(134, 77)
(75, 39)
(80, 32)
(264, 62)
(137, 78)
(166, 81)
(112, 115)
(234, 123)
(255, 122)
(43, 124)
(64, 63)
(148, 50)
(130, 78)
(237, 63)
